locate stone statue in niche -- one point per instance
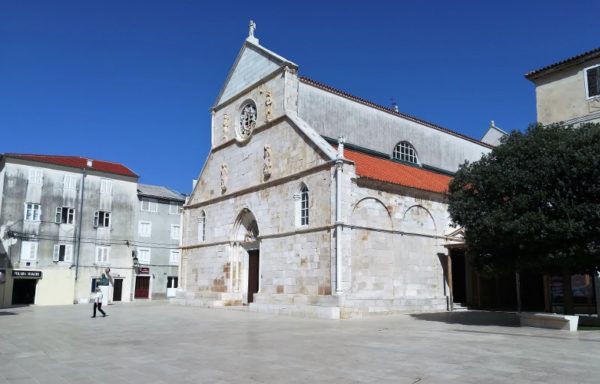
(268, 106)
(225, 126)
(224, 177)
(267, 164)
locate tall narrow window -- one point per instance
(174, 208)
(145, 228)
(404, 151)
(69, 182)
(202, 227)
(29, 250)
(149, 205)
(62, 252)
(174, 257)
(106, 186)
(144, 255)
(592, 77)
(175, 231)
(101, 219)
(304, 205)
(36, 176)
(64, 215)
(33, 212)
(102, 255)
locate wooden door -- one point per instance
(117, 289)
(142, 287)
(253, 274)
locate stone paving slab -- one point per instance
(154, 342)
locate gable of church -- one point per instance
(252, 64)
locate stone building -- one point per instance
(314, 202)
(64, 223)
(569, 90)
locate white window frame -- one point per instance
(102, 255)
(102, 219)
(174, 256)
(151, 205)
(202, 227)
(406, 152)
(106, 186)
(302, 206)
(175, 231)
(585, 78)
(69, 182)
(67, 252)
(29, 250)
(144, 224)
(36, 176)
(144, 255)
(58, 217)
(33, 212)
(174, 208)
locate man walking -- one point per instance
(98, 302)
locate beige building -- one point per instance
(314, 202)
(568, 91)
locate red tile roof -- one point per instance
(389, 171)
(371, 104)
(76, 162)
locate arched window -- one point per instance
(202, 227)
(404, 151)
(304, 205)
(301, 204)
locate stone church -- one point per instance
(314, 202)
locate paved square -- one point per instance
(156, 342)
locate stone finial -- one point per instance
(492, 124)
(341, 141)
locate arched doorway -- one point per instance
(245, 237)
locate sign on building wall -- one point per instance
(27, 274)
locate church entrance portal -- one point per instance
(245, 260)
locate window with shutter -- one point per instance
(593, 81)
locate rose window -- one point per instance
(247, 120)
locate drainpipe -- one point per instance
(338, 215)
(80, 220)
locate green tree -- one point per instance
(533, 202)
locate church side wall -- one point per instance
(333, 116)
(394, 248)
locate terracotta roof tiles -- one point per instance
(76, 162)
(389, 171)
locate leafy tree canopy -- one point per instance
(533, 202)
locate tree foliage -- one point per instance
(533, 202)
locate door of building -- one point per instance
(117, 289)
(142, 287)
(459, 278)
(253, 274)
(172, 283)
(24, 291)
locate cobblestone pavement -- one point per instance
(156, 342)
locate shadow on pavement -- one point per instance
(6, 313)
(482, 318)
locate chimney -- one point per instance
(395, 105)
(341, 141)
(90, 163)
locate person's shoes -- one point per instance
(93, 317)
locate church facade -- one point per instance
(314, 202)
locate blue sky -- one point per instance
(133, 81)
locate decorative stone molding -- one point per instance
(226, 122)
(224, 177)
(267, 163)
